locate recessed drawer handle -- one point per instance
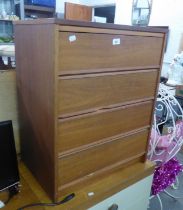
(113, 207)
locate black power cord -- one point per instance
(66, 199)
(13, 190)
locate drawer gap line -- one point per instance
(102, 142)
(113, 33)
(106, 70)
(76, 115)
(101, 171)
(88, 75)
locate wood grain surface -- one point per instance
(81, 130)
(95, 51)
(77, 12)
(77, 95)
(87, 162)
(87, 25)
(32, 192)
(35, 79)
(85, 93)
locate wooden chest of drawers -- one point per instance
(86, 97)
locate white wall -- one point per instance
(164, 13)
(123, 12)
(60, 3)
(169, 13)
(97, 2)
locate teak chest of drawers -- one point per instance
(86, 96)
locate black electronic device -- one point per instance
(9, 174)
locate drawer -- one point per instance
(106, 155)
(82, 93)
(96, 52)
(135, 197)
(77, 131)
(132, 203)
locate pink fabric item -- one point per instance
(162, 141)
(166, 148)
(179, 130)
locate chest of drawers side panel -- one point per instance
(163, 46)
(35, 76)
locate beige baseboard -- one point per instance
(8, 101)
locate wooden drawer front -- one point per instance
(82, 163)
(96, 51)
(92, 92)
(90, 128)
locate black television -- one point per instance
(9, 174)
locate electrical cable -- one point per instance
(13, 190)
(10, 196)
(66, 199)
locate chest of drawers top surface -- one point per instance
(86, 96)
(64, 22)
